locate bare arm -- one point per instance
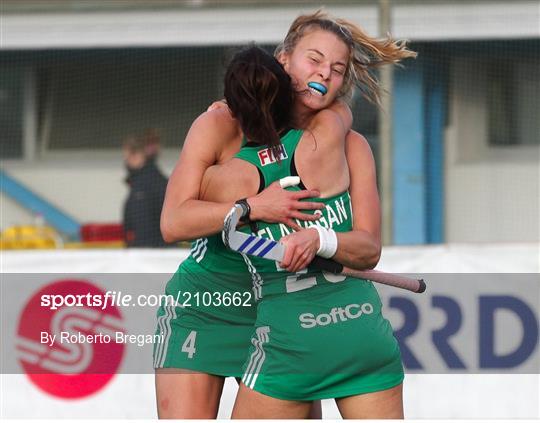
(184, 216)
(239, 179)
(213, 138)
(320, 156)
(344, 112)
(361, 247)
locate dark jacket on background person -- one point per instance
(142, 209)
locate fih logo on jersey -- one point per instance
(267, 156)
(69, 369)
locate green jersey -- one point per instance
(268, 278)
(317, 335)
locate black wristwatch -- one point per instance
(246, 210)
(246, 218)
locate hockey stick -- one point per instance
(272, 250)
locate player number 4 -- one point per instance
(189, 344)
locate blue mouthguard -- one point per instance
(319, 87)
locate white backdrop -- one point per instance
(469, 395)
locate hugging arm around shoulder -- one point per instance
(184, 216)
(361, 247)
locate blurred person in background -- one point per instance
(147, 185)
(152, 144)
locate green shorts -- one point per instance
(329, 341)
(207, 322)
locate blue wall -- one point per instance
(419, 110)
(435, 114)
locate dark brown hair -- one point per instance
(259, 94)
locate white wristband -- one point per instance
(327, 242)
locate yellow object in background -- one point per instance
(22, 237)
(94, 244)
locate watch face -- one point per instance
(245, 207)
